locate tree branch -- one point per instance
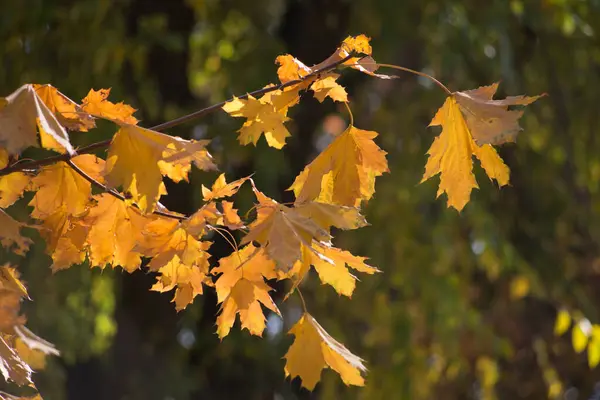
(32, 165)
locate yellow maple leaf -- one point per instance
(4, 158)
(180, 259)
(283, 230)
(23, 113)
(12, 187)
(138, 157)
(65, 237)
(96, 103)
(264, 116)
(197, 222)
(32, 348)
(451, 154)
(332, 265)
(344, 173)
(490, 121)
(177, 160)
(59, 187)
(221, 188)
(114, 230)
(314, 349)
(327, 86)
(290, 68)
(241, 289)
(231, 219)
(10, 235)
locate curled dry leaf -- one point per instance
(314, 349)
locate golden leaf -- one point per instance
(283, 230)
(12, 187)
(65, 237)
(451, 154)
(138, 157)
(314, 349)
(180, 259)
(328, 87)
(290, 68)
(69, 113)
(114, 230)
(59, 187)
(344, 173)
(221, 188)
(96, 103)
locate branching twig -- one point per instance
(165, 125)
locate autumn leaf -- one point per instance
(177, 160)
(451, 154)
(332, 266)
(59, 187)
(138, 157)
(284, 230)
(114, 230)
(96, 103)
(290, 68)
(266, 115)
(241, 289)
(221, 188)
(21, 116)
(180, 259)
(33, 349)
(344, 173)
(12, 187)
(10, 235)
(328, 87)
(490, 121)
(65, 237)
(69, 113)
(207, 214)
(314, 349)
(231, 219)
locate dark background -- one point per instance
(466, 305)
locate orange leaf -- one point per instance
(221, 188)
(12, 187)
(10, 235)
(96, 103)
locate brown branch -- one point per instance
(32, 165)
(116, 194)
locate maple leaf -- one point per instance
(221, 188)
(344, 173)
(264, 116)
(332, 265)
(138, 157)
(180, 259)
(208, 214)
(241, 289)
(231, 219)
(12, 187)
(451, 156)
(314, 349)
(328, 87)
(65, 238)
(490, 121)
(290, 68)
(4, 158)
(114, 229)
(177, 160)
(69, 113)
(96, 103)
(22, 113)
(33, 349)
(284, 230)
(60, 187)
(10, 235)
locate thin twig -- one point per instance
(412, 71)
(169, 124)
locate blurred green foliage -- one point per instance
(466, 305)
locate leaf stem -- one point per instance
(349, 113)
(302, 300)
(169, 124)
(412, 71)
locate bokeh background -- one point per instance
(466, 305)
